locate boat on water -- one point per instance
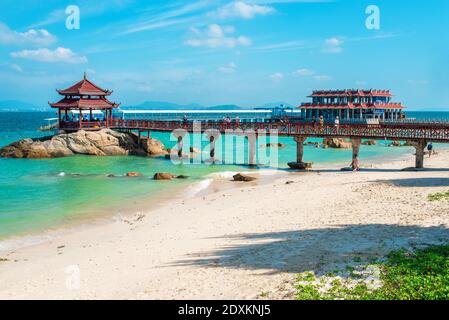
(51, 125)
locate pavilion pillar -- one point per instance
(300, 164)
(81, 119)
(66, 115)
(90, 114)
(419, 145)
(59, 115)
(107, 118)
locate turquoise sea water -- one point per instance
(36, 195)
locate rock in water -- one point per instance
(104, 142)
(133, 174)
(153, 147)
(163, 176)
(337, 143)
(243, 177)
(369, 142)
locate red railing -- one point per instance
(438, 132)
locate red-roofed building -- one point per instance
(84, 106)
(352, 105)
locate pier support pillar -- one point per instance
(252, 140)
(300, 164)
(212, 148)
(356, 142)
(419, 145)
(180, 145)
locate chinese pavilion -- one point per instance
(352, 105)
(84, 106)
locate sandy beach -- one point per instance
(238, 240)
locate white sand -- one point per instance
(238, 242)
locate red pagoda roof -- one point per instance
(85, 87)
(390, 105)
(351, 93)
(70, 103)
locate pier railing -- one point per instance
(430, 131)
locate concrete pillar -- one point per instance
(252, 141)
(299, 148)
(356, 142)
(419, 145)
(300, 164)
(180, 145)
(212, 147)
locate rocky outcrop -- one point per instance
(104, 142)
(163, 176)
(243, 177)
(153, 147)
(167, 176)
(336, 143)
(369, 142)
(133, 174)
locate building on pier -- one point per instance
(352, 105)
(84, 106)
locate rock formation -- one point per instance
(153, 147)
(104, 142)
(243, 177)
(336, 143)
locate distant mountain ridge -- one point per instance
(160, 105)
(16, 105)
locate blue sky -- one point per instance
(226, 52)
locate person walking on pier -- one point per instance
(430, 149)
(337, 123)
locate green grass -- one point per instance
(438, 196)
(404, 275)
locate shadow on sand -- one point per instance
(319, 250)
(417, 182)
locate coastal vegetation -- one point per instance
(438, 196)
(402, 275)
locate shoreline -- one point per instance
(213, 182)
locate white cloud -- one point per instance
(276, 77)
(40, 37)
(311, 74)
(333, 45)
(322, 77)
(304, 72)
(46, 55)
(16, 68)
(217, 36)
(229, 68)
(243, 10)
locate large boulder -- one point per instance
(163, 176)
(153, 147)
(104, 142)
(337, 143)
(243, 177)
(369, 142)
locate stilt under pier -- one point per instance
(356, 142)
(300, 164)
(419, 145)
